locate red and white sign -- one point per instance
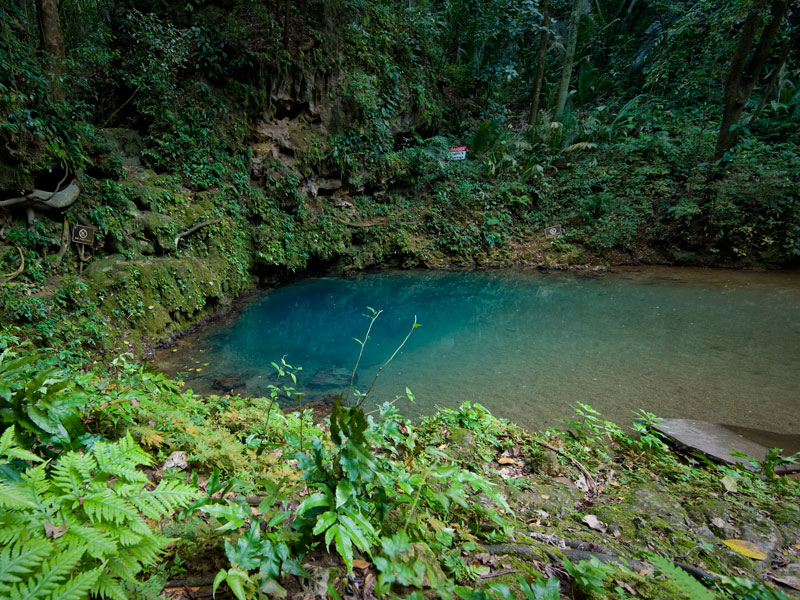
(458, 153)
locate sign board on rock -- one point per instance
(83, 234)
(458, 153)
(553, 231)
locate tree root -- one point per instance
(520, 550)
(19, 271)
(195, 228)
(64, 242)
(42, 199)
(553, 540)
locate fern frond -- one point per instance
(121, 459)
(13, 496)
(124, 567)
(21, 558)
(72, 472)
(108, 587)
(9, 447)
(77, 587)
(166, 498)
(685, 582)
(99, 544)
(13, 526)
(580, 146)
(53, 572)
(105, 506)
(147, 551)
(36, 480)
(124, 535)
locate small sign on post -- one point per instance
(83, 234)
(458, 153)
(553, 231)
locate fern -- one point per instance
(105, 506)
(53, 572)
(20, 559)
(99, 500)
(686, 583)
(77, 587)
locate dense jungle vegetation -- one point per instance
(221, 145)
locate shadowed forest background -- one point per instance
(220, 147)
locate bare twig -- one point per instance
(375, 379)
(195, 228)
(19, 271)
(372, 320)
(499, 574)
(121, 106)
(589, 479)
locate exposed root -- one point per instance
(195, 228)
(42, 199)
(19, 271)
(64, 242)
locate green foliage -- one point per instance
(687, 584)
(537, 589)
(79, 526)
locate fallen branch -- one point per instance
(19, 271)
(498, 574)
(195, 228)
(589, 479)
(191, 582)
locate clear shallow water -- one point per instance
(720, 346)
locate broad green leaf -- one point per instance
(313, 501)
(344, 490)
(324, 521)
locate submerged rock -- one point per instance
(332, 378)
(230, 382)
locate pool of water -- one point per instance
(720, 346)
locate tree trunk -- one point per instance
(771, 86)
(541, 55)
(52, 43)
(569, 58)
(743, 73)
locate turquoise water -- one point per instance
(719, 346)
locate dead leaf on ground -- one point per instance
(595, 523)
(505, 460)
(729, 483)
(361, 564)
(745, 548)
(176, 460)
(625, 587)
(54, 531)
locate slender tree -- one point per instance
(52, 42)
(746, 66)
(569, 57)
(541, 55)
